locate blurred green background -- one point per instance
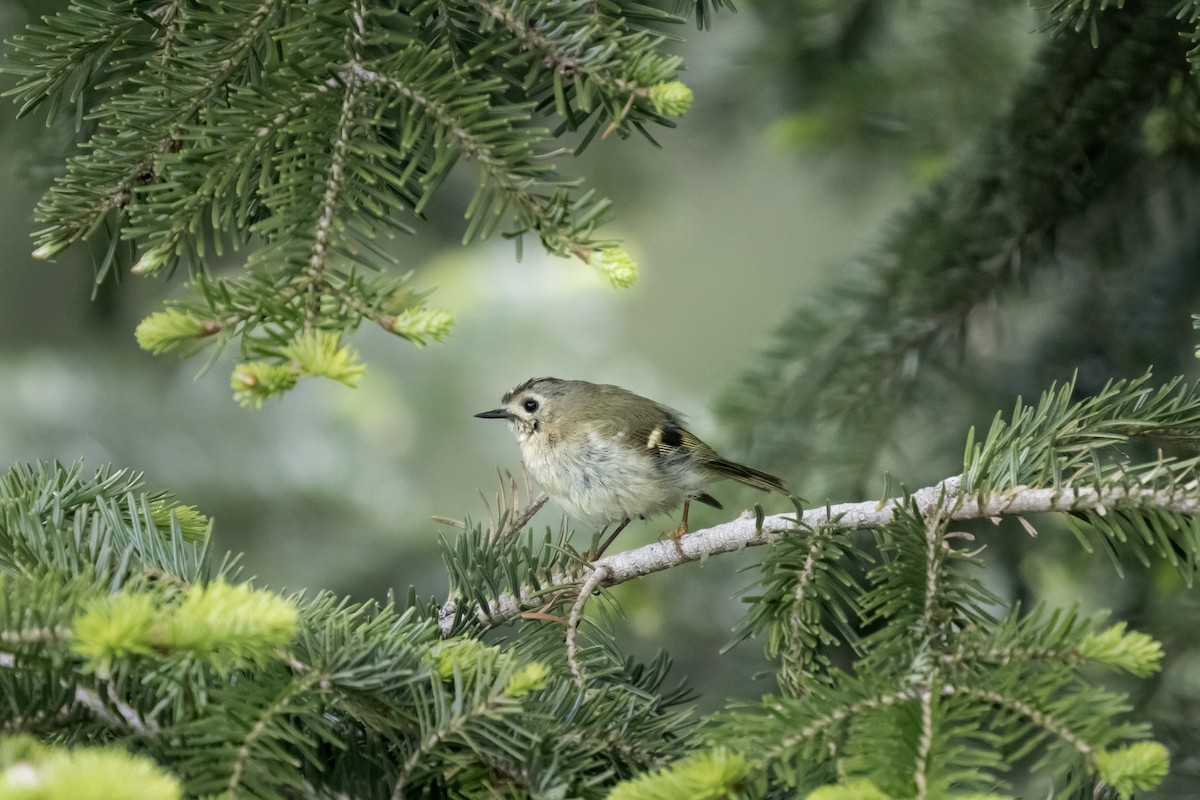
(758, 200)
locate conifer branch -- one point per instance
(127, 167)
(261, 728)
(192, 670)
(1034, 716)
(585, 591)
(924, 746)
(823, 723)
(34, 635)
(942, 499)
(796, 622)
(335, 176)
(305, 134)
(555, 55)
(505, 169)
(935, 533)
(126, 717)
(447, 730)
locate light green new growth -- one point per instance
(30, 771)
(225, 626)
(1133, 651)
(858, 789)
(461, 656)
(193, 526)
(173, 328)
(673, 99)
(617, 265)
(420, 324)
(1138, 767)
(321, 353)
(115, 627)
(255, 382)
(153, 259)
(230, 625)
(316, 353)
(532, 677)
(711, 775)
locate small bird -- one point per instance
(607, 455)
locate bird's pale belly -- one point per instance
(601, 482)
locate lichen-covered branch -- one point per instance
(944, 498)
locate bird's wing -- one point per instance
(661, 429)
(669, 438)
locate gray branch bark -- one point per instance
(943, 498)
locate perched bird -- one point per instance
(607, 455)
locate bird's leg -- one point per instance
(678, 533)
(609, 540)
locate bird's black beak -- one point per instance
(499, 413)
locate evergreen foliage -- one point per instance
(117, 631)
(300, 134)
(301, 137)
(33, 771)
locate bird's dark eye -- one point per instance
(530, 405)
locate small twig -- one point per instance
(95, 704)
(924, 746)
(126, 718)
(510, 517)
(521, 516)
(796, 623)
(934, 560)
(617, 120)
(590, 585)
(133, 719)
(543, 613)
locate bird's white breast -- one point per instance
(600, 481)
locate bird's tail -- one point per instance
(747, 475)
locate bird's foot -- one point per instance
(676, 535)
